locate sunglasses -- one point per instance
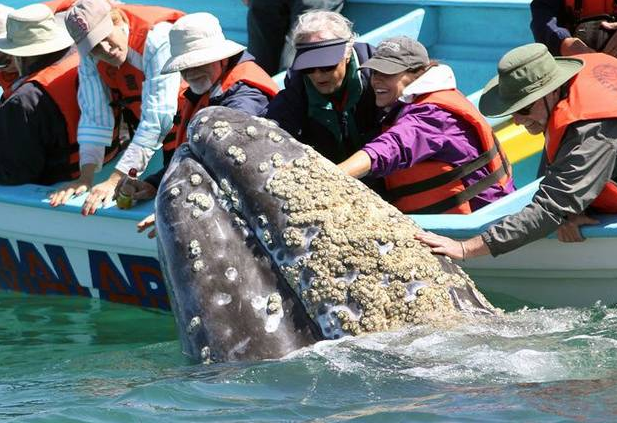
(526, 110)
(322, 69)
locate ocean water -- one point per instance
(79, 360)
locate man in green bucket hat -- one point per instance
(572, 101)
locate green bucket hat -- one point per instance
(524, 75)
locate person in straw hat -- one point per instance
(42, 111)
(437, 153)
(123, 49)
(557, 96)
(219, 72)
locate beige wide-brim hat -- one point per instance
(525, 75)
(196, 40)
(4, 13)
(32, 31)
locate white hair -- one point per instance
(322, 25)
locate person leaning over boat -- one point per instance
(122, 52)
(557, 96)
(328, 102)
(437, 152)
(38, 122)
(570, 27)
(8, 69)
(219, 72)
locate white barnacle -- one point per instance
(196, 179)
(232, 150)
(225, 186)
(277, 159)
(267, 237)
(222, 132)
(198, 265)
(195, 252)
(193, 324)
(274, 136)
(195, 137)
(197, 213)
(221, 124)
(240, 158)
(275, 303)
(251, 131)
(194, 243)
(231, 273)
(204, 119)
(262, 220)
(191, 197)
(205, 355)
(263, 167)
(239, 221)
(175, 191)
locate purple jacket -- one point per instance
(426, 131)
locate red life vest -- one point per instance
(248, 72)
(437, 187)
(59, 81)
(581, 9)
(593, 82)
(6, 81)
(125, 83)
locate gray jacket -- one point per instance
(584, 163)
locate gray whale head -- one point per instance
(318, 247)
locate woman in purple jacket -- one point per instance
(437, 153)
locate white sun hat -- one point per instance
(197, 39)
(4, 13)
(32, 31)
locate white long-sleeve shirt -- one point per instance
(158, 107)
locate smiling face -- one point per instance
(114, 48)
(388, 88)
(202, 78)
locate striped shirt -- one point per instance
(159, 103)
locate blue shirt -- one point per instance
(158, 107)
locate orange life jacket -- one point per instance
(125, 83)
(581, 9)
(433, 186)
(60, 82)
(592, 95)
(248, 72)
(59, 5)
(6, 81)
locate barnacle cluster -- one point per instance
(237, 153)
(363, 260)
(221, 128)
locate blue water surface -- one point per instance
(78, 360)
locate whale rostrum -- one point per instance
(303, 241)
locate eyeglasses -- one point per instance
(322, 69)
(526, 110)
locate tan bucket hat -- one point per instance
(197, 39)
(32, 31)
(525, 74)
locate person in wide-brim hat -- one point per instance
(219, 72)
(197, 39)
(572, 102)
(33, 31)
(525, 75)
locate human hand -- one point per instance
(100, 194)
(73, 188)
(142, 190)
(611, 45)
(569, 230)
(443, 245)
(571, 45)
(147, 223)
